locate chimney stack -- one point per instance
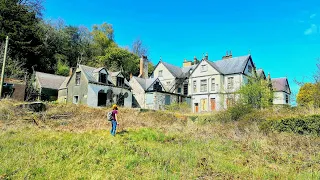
(71, 71)
(227, 56)
(195, 60)
(206, 57)
(144, 67)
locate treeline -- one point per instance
(53, 46)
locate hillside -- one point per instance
(73, 142)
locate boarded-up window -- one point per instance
(204, 104)
(167, 100)
(203, 85)
(149, 98)
(78, 76)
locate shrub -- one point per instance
(307, 125)
(179, 107)
(239, 110)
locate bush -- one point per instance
(306, 125)
(179, 107)
(238, 111)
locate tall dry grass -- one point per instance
(226, 149)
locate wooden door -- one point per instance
(213, 104)
(196, 107)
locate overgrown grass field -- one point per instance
(73, 142)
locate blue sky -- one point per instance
(283, 37)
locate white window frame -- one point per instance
(213, 84)
(160, 73)
(203, 85)
(194, 86)
(230, 83)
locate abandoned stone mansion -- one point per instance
(203, 84)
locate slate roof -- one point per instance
(50, 81)
(145, 83)
(260, 73)
(114, 74)
(177, 71)
(279, 84)
(89, 71)
(64, 84)
(232, 65)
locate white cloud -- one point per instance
(312, 30)
(312, 16)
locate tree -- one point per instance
(257, 93)
(309, 95)
(119, 59)
(139, 49)
(19, 21)
(103, 38)
(62, 69)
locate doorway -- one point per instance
(213, 104)
(196, 107)
(102, 98)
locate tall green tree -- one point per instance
(19, 21)
(257, 93)
(119, 59)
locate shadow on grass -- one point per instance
(123, 132)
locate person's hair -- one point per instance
(116, 108)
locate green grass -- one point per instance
(34, 153)
(149, 145)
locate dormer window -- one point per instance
(120, 81)
(103, 78)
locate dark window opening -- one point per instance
(185, 89)
(157, 87)
(287, 99)
(179, 90)
(78, 76)
(102, 78)
(120, 81)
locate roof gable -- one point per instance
(147, 83)
(233, 65)
(280, 84)
(50, 81)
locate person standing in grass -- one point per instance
(114, 121)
